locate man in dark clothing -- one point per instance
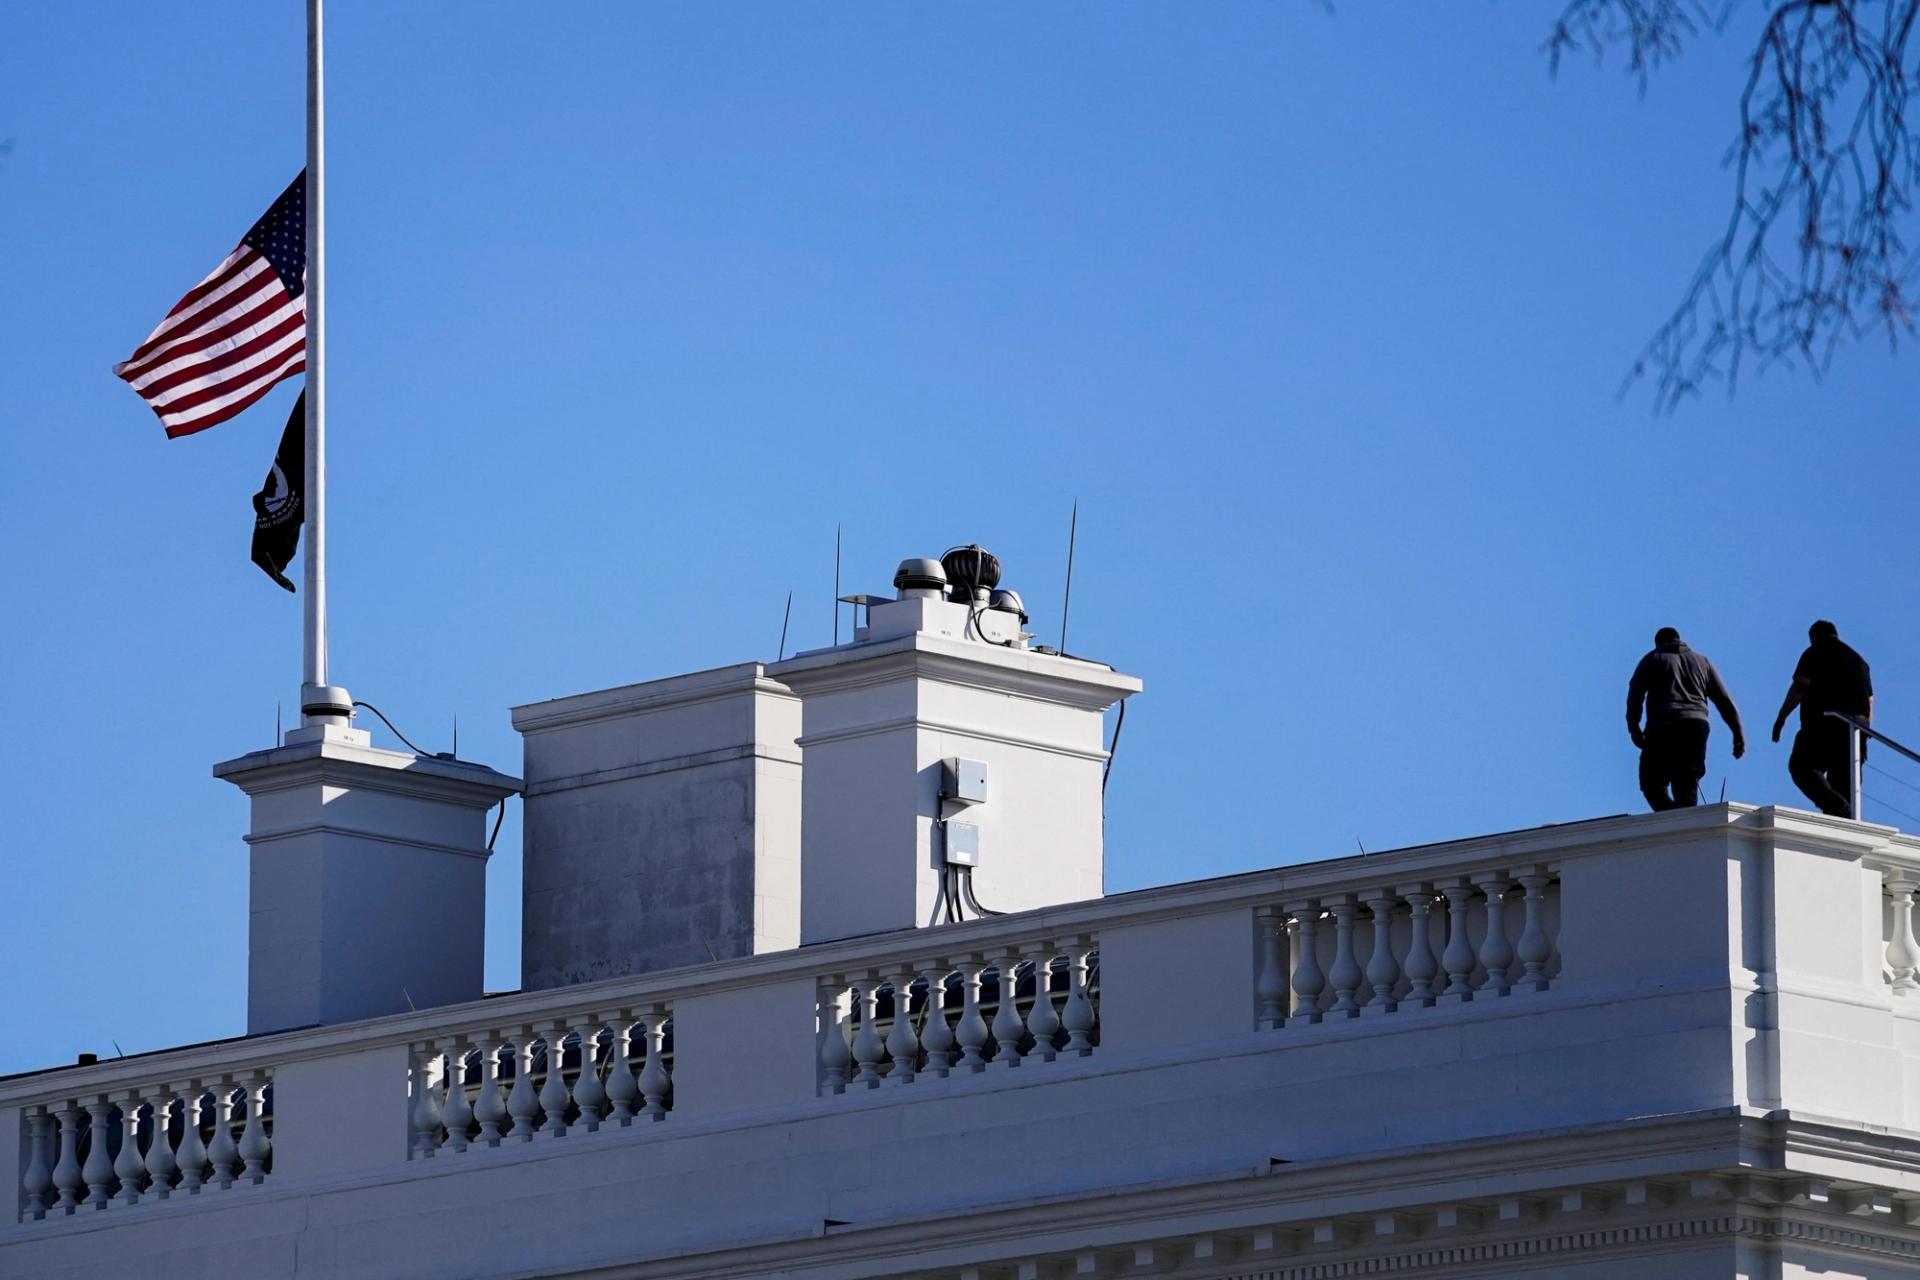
(1829, 677)
(1676, 684)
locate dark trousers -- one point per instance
(1672, 763)
(1820, 766)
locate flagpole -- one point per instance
(320, 703)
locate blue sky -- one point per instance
(1320, 318)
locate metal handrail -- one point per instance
(1855, 750)
(1875, 734)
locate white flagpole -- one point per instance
(320, 704)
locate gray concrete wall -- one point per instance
(654, 827)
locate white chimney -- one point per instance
(367, 879)
(936, 696)
(662, 826)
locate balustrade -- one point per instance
(1480, 935)
(1903, 954)
(146, 1144)
(578, 1073)
(928, 1019)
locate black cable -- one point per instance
(966, 887)
(1113, 746)
(396, 733)
(1884, 805)
(1889, 777)
(496, 822)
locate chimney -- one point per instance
(367, 878)
(755, 808)
(940, 751)
(662, 826)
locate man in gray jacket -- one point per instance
(1676, 684)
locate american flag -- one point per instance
(237, 332)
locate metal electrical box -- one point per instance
(963, 844)
(963, 781)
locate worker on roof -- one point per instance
(1675, 684)
(1829, 677)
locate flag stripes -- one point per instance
(236, 333)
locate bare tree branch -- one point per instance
(1825, 165)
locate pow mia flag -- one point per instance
(279, 509)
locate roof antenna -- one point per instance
(836, 583)
(456, 735)
(1073, 536)
(786, 617)
(276, 724)
(1723, 791)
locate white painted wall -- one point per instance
(367, 881)
(879, 717)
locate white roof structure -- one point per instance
(1675, 1045)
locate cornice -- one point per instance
(367, 768)
(969, 663)
(688, 690)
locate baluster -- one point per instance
(1270, 984)
(425, 1116)
(254, 1147)
(1043, 1023)
(553, 1090)
(1383, 971)
(490, 1108)
(622, 1089)
(1903, 954)
(1308, 980)
(656, 1082)
(191, 1155)
(456, 1114)
(1496, 952)
(1421, 966)
(1079, 1018)
(972, 1031)
(835, 1057)
(160, 1162)
(1535, 949)
(1007, 1025)
(1458, 957)
(67, 1176)
(588, 1093)
(867, 1046)
(522, 1103)
(1346, 974)
(936, 1037)
(99, 1167)
(903, 1043)
(127, 1166)
(37, 1182)
(222, 1151)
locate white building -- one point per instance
(1679, 1045)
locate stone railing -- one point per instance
(1296, 961)
(146, 1141)
(472, 1091)
(1899, 879)
(1373, 948)
(962, 1014)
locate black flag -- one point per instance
(279, 509)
